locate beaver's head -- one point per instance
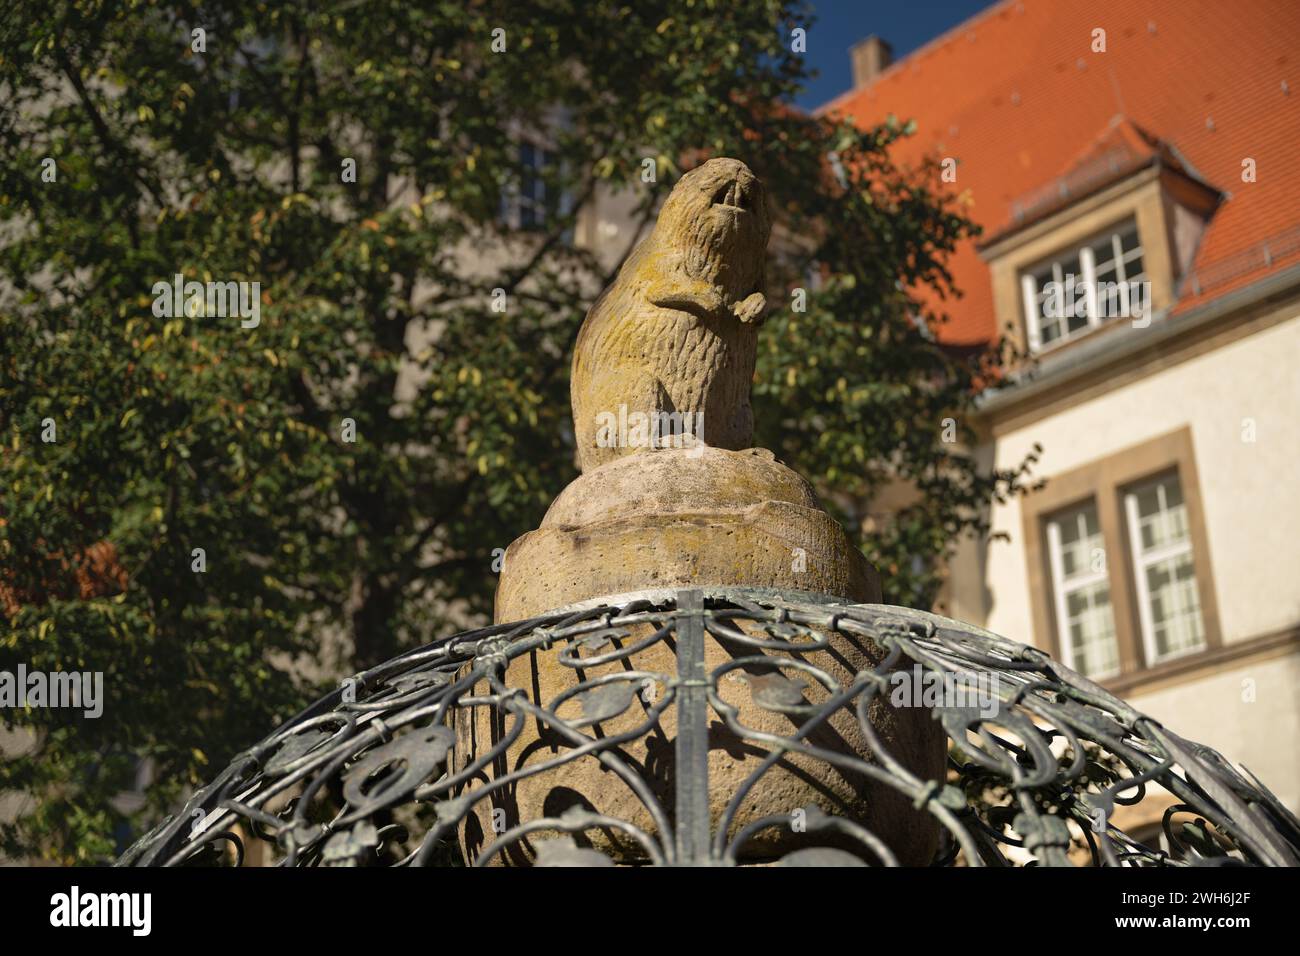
(717, 218)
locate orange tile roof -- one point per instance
(1119, 151)
(1018, 97)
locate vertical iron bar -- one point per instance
(692, 746)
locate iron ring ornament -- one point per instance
(1037, 769)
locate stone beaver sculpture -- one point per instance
(676, 333)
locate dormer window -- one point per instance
(1081, 287)
(1105, 243)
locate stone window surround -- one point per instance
(1147, 196)
(1104, 481)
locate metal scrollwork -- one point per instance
(1044, 767)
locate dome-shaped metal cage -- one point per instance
(465, 750)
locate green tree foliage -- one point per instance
(182, 432)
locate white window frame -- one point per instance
(1142, 561)
(1087, 264)
(1061, 593)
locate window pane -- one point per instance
(534, 204)
(1162, 514)
(1082, 592)
(1103, 253)
(1128, 239)
(1074, 299)
(1175, 606)
(1049, 327)
(1081, 542)
(1091, 627)
(1165, 567)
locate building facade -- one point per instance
(1129, 163)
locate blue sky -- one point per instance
(841, 23)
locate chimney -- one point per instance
(870, 58)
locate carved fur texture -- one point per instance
(677, 330)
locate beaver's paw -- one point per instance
(703, 301)
(750, 309)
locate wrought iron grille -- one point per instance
(415, 762)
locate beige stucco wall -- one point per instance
(1252, 512)
(1248, 489)
(1254, 725)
